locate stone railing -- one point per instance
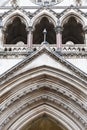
(65, 50)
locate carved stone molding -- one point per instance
(48, 99)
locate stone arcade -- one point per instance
(43, 65)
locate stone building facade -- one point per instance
(43, 65)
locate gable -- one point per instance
(40, 58)
(44, 60)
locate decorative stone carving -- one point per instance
(14, 3)
(63, 105)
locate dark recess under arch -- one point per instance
(73, 31)
(38, 32)
(43, 123)
(15, 32)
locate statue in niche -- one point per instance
(14, 3)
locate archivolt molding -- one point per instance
(41, 72)
(36, 19)
(66, 16)
(47, 11)
(75, 10)
(17, 13)
(55, 101)
(23, 95)
(64, 91)
(40, 111)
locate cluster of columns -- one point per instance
(58, 30)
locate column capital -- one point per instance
(58, 29)
(29, 29)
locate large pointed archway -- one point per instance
(31, 91)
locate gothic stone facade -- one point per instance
(39, 84)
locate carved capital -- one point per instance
(29, 29)
(58, 29)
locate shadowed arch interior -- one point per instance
(38, 32)
(43, 123)
(15, 32)
(73, 31)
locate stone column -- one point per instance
(30, 37)
(59, 37)
(86, 37)
(1, 34)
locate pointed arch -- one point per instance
(39, 91)
(17, 13)
(51, 20)
(15, 32)
(72, 30)
(38, 36)
(57, 116)
(36, 19)
(79, 18)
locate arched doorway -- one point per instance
(73, 31)
(15, 32)
(38, 32)
(43, 123)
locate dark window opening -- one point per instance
(38, 36)
(73, 31)
(16, 32)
